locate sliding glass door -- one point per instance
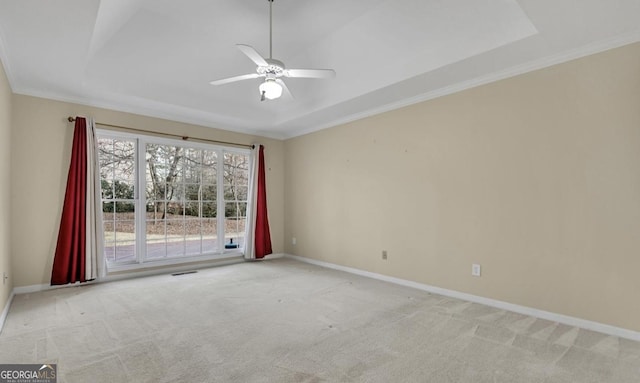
(165, 200)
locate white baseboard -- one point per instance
(5, 311)
(554, 317)
(34, 288)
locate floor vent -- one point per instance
(185, 272)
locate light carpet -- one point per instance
(286, 321)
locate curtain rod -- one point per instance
(184, 138)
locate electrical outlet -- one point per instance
(384, 254)
(475, 270)
(293, 241)
(4, 277)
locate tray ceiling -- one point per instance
(156, 57)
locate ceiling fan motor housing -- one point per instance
(275, 67)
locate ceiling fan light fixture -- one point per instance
(270, 89)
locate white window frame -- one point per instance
(140, 261)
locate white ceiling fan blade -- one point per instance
(310, 73)
(252, 54)
(234, 79)
(285, 89)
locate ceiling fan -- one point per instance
(272, 70)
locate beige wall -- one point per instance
(5, 188)
(537, 178)
(40, 155)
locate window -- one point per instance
(117, 183)
(167, 201)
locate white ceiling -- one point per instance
(156, 57)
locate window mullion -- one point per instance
(141, 203)
(220, 202)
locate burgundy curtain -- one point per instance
(70, 257)
(262, 234)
